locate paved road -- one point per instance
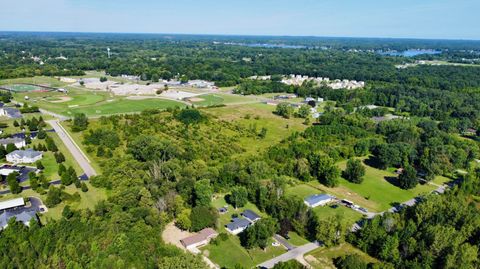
(290, 255)
(73, 148)
(283, 241)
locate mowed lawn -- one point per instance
(118, 106)
(229, 253)
(322, 258)
(302, 190)
(347, 215)
(375, 193)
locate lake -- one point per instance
(410, 52)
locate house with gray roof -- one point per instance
(24, 156)
(318, 200)
(238, 225)
(25, 217)
(18, 142)
(250, 215)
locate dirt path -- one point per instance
(172, 235)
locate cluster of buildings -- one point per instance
(298, 80)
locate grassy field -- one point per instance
(296, 239)
(302, 190)
(92, 103)
(348, 215)
(376, 192)
(258, 115)
(118, 106)
(322, 258)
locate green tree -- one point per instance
(54, 197)
(11, 148)
(327, 172)
(408, 179)
(203, 193)
(284, 109)
(352, 261)
(202, 217)
(39, 165)
(183, 220)
(13, 183)
(80, 122)
(238, 197)
(32, 177)
(258, 235)
(354, 171)
(304, 111)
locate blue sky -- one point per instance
(452, 19)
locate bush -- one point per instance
(84, 187)
(354, 171)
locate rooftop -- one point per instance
(24, 216)
(249, 214)
(313, 199)
(199, 237)
(237, 223)
(12, 112)
(12, 203)
(28, 153)
(14, 140)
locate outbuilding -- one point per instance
(318, 200)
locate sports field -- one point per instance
(24, 88)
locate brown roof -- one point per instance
(204, 234)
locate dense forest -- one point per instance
(215, 59)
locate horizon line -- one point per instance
(240, 35)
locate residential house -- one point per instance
(238, 225)
(201, 238)
(22, 171)
(25, 217)
(24, 156)
(318, 200)
(18, 142)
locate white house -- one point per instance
(318, 200)
(18, 142)
(24, 156)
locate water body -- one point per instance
(410, 52)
